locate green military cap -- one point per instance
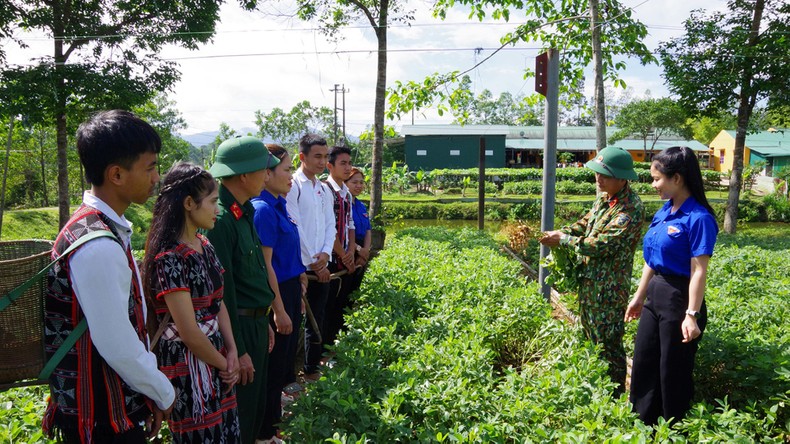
(613, 161)
(241, 155)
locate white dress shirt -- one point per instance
(101, 280)
(311, 206)
(345, 194)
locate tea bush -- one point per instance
(448, 344)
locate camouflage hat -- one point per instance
(241, 155)
(613, 161)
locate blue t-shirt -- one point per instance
(361, 221)
(277, 230)
(673, 239)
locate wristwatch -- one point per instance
(693, 313)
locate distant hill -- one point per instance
(201, 139)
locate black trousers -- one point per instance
(317, 294)
(282, 357)
(337, 303)
(661, 377)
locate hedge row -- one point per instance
(767, 209)
(444, 178)
(534, 187)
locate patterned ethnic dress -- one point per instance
(202, 414)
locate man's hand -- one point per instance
(348, 261)
(321, 259)
(551, 238)
(154, 422)
(323, 275)
(271, 338)
(364, 253)
(246, 370)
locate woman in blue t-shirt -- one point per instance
(356, 184)
(677, 248)
(281, 252)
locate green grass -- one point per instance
(40, 223)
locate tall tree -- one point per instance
(285, 128)
(105, 55)
(379, 14)
(485, 109)
(650, 120)
(729, 60)
(570, 23)
(162, 114)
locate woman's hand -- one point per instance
(271, 338)
(230, 376)
(283, 323)
(634, 310)
(690, 329)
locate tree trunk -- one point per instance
(42, 159)
(60, 119)
(745, 107)
(376, 189)
(5, 171)
(600, 104)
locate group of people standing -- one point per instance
(670, 297)
(226, 306)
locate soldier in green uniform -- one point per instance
(606, 238)
(241, 165)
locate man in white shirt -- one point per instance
(339, 165)
(310, 205)
(101, 390)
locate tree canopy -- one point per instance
(105, 56)
(732, 60)
(650, 120)
(285, 128)
(562, 25)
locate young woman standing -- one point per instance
(670, 297)
(356, 184)
(281, 251)
(196, 351)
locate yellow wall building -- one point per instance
(771, 147)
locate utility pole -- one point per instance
(339, 89)
(547, 82)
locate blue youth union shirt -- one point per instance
(673, 239)
(278, 231)
(361, 221)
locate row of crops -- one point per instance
(448, 343)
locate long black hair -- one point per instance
(682, 160)
(184, 179)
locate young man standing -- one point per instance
(241, 165)
(310, 205)
(345, 240)
(105, 388)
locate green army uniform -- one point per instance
(247, 294)
(606, 239)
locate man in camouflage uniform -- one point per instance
(605, 239)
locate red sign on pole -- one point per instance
(541, 73)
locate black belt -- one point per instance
(254, 312)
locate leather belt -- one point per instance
(254, 312)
